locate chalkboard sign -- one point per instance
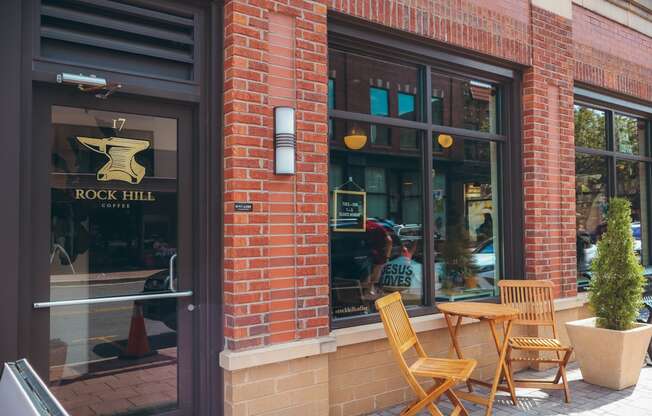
(350, 208)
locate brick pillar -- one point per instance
(549, 154)
(275, 257)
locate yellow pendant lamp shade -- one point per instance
(445, 140)
(355, 140)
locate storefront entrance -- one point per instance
(112, 212)
(112, 255)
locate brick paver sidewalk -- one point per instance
(586, 399)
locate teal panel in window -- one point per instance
(406, 106)
(379, 99)
(437, 104)
(331, 93)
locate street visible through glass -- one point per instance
(113, 233)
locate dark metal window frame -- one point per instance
(612, 105)
(368, 40)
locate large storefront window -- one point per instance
(612, 159)
(386, 155)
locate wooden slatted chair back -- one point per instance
(532, 298)
(397, 324)
(402, 337)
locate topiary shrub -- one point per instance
(617, 284)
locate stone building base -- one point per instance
(353, 371)
(296, 387)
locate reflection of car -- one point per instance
(408, 232)
(591, 247)
(163, 310)
(636, 232)
(485, 260)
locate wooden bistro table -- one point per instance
(493, 314)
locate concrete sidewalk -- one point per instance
(586, 399)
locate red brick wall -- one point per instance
(610, 55)
(549, 154)
(276, 257)
(498, 27)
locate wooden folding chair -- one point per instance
(445, 372)
(534, 300)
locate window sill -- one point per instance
(372, 332)
(240, 360)
(375, 331)
(413, 312)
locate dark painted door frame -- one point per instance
(18, 72)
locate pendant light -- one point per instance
(445, 140)
(355, 140)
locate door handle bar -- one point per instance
(93, 301)
(172, 289)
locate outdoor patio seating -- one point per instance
(493, 315)
(445, 372)
(534, 301)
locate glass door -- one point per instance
(113, 267)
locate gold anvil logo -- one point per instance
(122, 165)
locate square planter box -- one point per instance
(607, 357)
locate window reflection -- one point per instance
(379, 99)
(630, 134)
(104, 227)
(406, 107)
(370, 86)
(591, 207)
(407, 111)
(466, 104)
(632, 184)
(376, 228)
(437, 107)
(600, 176)
(113, 232)
(590, 128)
(466, 221)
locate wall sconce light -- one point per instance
(445, 140)
(284, 141)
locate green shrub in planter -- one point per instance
(617, 284)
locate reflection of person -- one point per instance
(439, 228)
(582, 242)
(486, 229)
(599, 230)
(403, 273)
(380, 245)
(69, 231)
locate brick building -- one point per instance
(155, 261)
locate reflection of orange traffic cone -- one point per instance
(137, 344)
